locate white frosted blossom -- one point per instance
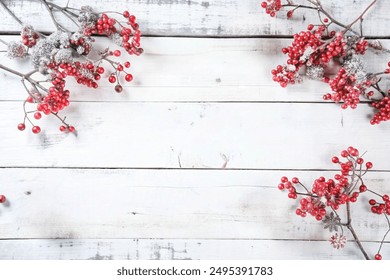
(63, 56)
(338, 241)
(315, 72)
(16, 50)
(354, 65)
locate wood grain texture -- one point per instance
(227, 18)
(178, 249)
(193, 135)
(89, 203)
(184, 164)
(195, 70)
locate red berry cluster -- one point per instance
(271, 6)
(383, 108)
(361, 47)
(308, 48)
(130, 37)
(380, 208)
(66, 54)
(321, 51)
(29, 36)
(345, 89)
(84, 44)
(289, 185)
(324, 200)
(313, 206)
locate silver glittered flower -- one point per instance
(315, 72)
(332, 222)
(16, 50)
(338, 241)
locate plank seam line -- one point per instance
(198, 102)
(270, 36)
(184, 239)
(176, 168)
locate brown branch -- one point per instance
(352, 230)
(10, 12)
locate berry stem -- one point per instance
(57, 25)
(352, 230)
(10, 12)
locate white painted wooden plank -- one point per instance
(183, 69)
(208, 17)
(179, 249)
(192, 135)
(77, 204)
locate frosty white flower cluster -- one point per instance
(16, 50)
(86, 17)
(54, 47)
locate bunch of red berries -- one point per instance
(63, 54)
(326, 197)
(383, 108)
(271, 6)
(345, 89)
(317, 51)
(29, 36)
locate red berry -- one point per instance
(369, 165)
(62, 128)
(281, 186)
(21, 126)
(119, 67)
(127, 64)
(71, 128)
(2, 198)
(36, 129)
(37, 115)
(335, 160)
(295, 180)
(129, 77)
(372, 201)
(117, 53)
(112, 79)
(378, 257)
(284, 179)
(385, 197)
(362, 188)
(126, 14)
(118, 88)
(30, 99)
(100, 70)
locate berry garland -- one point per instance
(315, 51)
(65, 53)
(327, 197)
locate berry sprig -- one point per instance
(327, 198)
(329, 45)
(66, 53)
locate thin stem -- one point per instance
(57, 25)
(10, 12)
(362, 15)
(51, 14)
(387, 232)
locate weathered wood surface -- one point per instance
(201, 70)
(203, 18)
(184, 164)
(58, 213)
(96, 203)
(178, 249)
(193, 135)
